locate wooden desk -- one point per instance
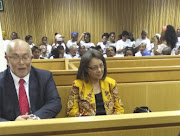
(141, 124)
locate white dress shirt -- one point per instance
(26, 85)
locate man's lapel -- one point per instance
(12, 95)
(33, 94)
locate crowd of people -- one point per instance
(27, 93)
(166, 43)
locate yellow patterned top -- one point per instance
(82, 99)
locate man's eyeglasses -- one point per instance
(18, 59)
(95, 68)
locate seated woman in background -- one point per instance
(36, 51)
(168, 39)
(43, 52)
(93, 93)
(87, 40)
(129, 51)
(58, 53)
(49, 47)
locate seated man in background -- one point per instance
(122, 44)
(73, 41)
(73, 50)
(142, 39)
(59, 40)
(111, 51)
(166, 51)
(25, 90)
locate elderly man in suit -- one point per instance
(25, 90)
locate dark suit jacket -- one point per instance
(44, 98)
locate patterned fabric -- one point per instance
(82, 99)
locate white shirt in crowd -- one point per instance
(121, 45)
(56, 45)
(5, 43)
(87, 45)
(70, 43)
(111, 44)
(138, 54)
(140, 40)
(103, 47)
(69, 56)
(178, 43)
(26, 85)
(31, 45)
(161, 47)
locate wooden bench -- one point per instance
(141, 124)
(158, 96)
(73, 64)
(125, 75)
(125, 63)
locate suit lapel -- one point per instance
(11, 92)
(33, 86)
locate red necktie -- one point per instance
(23, 101)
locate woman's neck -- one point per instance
(96, 86)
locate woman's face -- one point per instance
(129, 53)
(36, 54)
(86, 38)
(104, 40)
(95, 69)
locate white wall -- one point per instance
(3, 64)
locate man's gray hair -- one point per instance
(12, 43)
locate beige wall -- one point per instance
(45, 17)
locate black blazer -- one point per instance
(44, 98)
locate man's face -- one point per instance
(44, 41)
(143, 35)
(19, 58)
(125, 37)
(73, 51)
(14, 36)
(110, 52)
(74, 38)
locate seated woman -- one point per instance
(129, 51)
(168, 39)
(93, 93)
